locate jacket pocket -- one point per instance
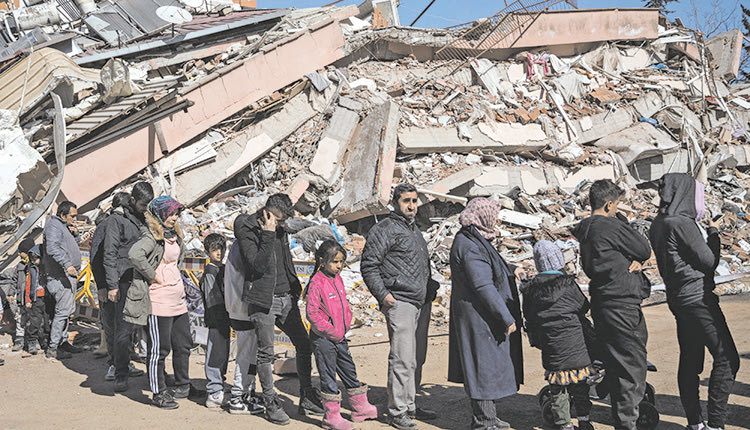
(135, 301)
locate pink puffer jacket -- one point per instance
(327, 308)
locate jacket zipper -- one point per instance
(341, 301)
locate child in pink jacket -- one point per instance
(330, 318)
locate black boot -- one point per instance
(310, 403)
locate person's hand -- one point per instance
(156, 280)
(715, 224)
(267, 221)
(73, 230)
(511, 328)
(72, 271)
(28, 305)
(635, 267)
(520, 274)
(11, 299)
(389, 300)
(113, 295)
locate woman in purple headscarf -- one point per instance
(485, 343)
(157, 298)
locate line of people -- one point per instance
(137, 251)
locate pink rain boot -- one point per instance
(332, 418)
(361, 407)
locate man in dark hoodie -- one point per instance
(123, 229)
(687, 257)
(272, 291)
(396, 269)
(612, 253)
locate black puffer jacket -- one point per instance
(686, 261)
(259, 258)
(608, 248)
(122, 230)
(395, 260)
(554, 308)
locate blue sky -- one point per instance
(450, 12)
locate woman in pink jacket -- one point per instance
(330, 318)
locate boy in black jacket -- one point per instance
(612, 254)
(687, 257)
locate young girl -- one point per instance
(156, 258)
(330, 318)
(555, 309)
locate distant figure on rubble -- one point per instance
(555, 311)
(157, 298)
(272, 290)
(396, 269)
(612, 254)
(484, 347)
(62, 261)
(122, 230)
(687, 256)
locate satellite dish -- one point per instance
(174, 14)
(194, 4)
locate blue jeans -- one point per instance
(331, 359)
(217, 358)
(285, 315)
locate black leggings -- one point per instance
(701, 326)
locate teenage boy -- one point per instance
(612, 254)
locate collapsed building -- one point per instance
(220, 104)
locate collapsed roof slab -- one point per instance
(498, 137)
(216, 97)
(574, 31)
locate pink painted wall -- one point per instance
(216, 97)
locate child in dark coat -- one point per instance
(555, 310)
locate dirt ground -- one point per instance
(72, 394)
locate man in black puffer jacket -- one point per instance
(272, 289)
(396, 269)
(687, 257)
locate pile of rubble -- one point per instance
(335, 105)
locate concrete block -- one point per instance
(726, 50)
(641, 140)
(326, 162)
(498, 137)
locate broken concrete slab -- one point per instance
(639, 141)
(236, 154)
(502, 179)
(499, 137)
(487, 75)
(652, 168)
(596, 126)
(327, 160)
(453, 182)
(519, 218)
(726, 50)
(570, 179)
(369, 164)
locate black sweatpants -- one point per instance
(621, 329)
(167, 334)
(701, 326)
(32, 319)
(121, 342)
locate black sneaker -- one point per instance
(121, 385)
(422, 414)
(275, 413)
(182, 392)
(310, 403)
(67, 347)
(585, 425)
(57, 354)
(403, 422)
(164, 400)
(240, 406)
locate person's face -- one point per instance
(216, 256)
(71, 217)
(334, 266)
(171, 220)
(407, 204)
(280, 216)
(23, 255)
(140, 207)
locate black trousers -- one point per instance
(701, 326)
(621, 331)
(165, 335)
(331, 359)
(32, 319)
(121, 342)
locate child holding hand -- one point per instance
(330, 318)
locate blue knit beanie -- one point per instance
(548, 257)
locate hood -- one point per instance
(677, 194)
(156, 229)
(547, 287)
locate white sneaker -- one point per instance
(110, 376)
(215, 400)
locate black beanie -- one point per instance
(26, 245)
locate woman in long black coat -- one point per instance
(485, 343)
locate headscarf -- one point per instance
(482, 213)
(700, 200)
(162, 208)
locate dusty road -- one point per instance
(39, 394)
